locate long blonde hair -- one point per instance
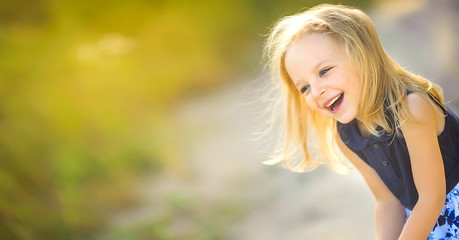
(384, 84)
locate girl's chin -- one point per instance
(345, 119)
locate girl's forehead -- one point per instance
(312, 49)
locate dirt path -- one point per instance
(279, 204)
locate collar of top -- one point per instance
(351, 136)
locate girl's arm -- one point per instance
(389, 212)
(427, 167)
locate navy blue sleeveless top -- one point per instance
(388, 155)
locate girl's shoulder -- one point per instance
(424, 110)
(418, 106)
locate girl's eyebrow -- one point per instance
(318, 64)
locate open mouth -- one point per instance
(335, 103)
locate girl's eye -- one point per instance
(304, 89)
(324, 71)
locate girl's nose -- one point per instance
(318, 91)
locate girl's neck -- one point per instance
(362, 129)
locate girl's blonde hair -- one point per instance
(384, 84)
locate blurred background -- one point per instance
(135, 119)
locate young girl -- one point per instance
(342, 89)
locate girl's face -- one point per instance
(324, 74)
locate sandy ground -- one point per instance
(222, 163)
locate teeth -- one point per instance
(333, 101)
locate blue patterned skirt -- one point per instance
(447, 226)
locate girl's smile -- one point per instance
(334, 104)
(323, 72)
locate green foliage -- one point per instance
(85, 89)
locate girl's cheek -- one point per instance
(311, 103)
